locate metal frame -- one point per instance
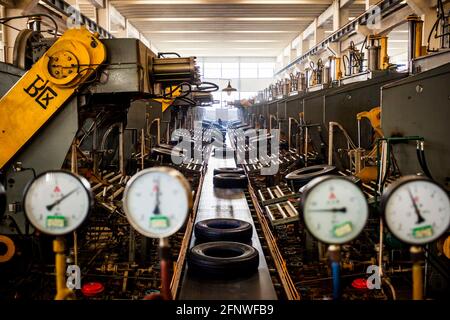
(63, 7)
(386, 8)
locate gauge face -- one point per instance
(416, 210)
(157, 201)
(334, 209)
(57, 202)
(2, 200)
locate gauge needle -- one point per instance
(51, 206)
(343, 210)
(157, 210)
(420, 219)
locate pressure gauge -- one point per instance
(335, 210)
(416, 209)
(157, 201)
(2, 200)
(57, 202)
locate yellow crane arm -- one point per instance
(374, 116)
(44, 89)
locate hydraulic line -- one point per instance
(336, 272)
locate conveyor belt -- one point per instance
(229, 203)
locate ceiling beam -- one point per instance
(208, 2)
(199, 19)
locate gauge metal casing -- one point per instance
(420, 235)
(180, 202)
(331, 232)
(31, 203)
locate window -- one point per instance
(265, 70)
(230, 70)
(212, 70)
(217, 96)
(247, 95)
(200, 68)
(249, 70)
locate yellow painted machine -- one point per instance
(87, 105)
(39, 94)
(72, 108)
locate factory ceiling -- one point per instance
(225, 27)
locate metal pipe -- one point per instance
(417, 274)
(122, 149)
(73, 159)
(335, 252)
(384, 57)
(306, 146)
(158, 133)
(142, 148)
(359, 133)
(380, 249)
(415, 29)
(165, 264)
(75, 247)
(330, 143)
(62, 292)
(289, 131)
(337, 68)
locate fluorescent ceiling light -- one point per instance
(185, 41)
(193, 48)
(259, 31)
(181, 31)
(175, 2)
(217, 31)
(199, 19)
(206, 41)
(248, 48)
(231, 48)
(254, 41)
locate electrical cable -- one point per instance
(163, 54)
(445, 25)
(423, 163)
(6, 19)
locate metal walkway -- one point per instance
(226, 203)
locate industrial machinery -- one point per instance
(368, 127)
(98, 108)
(113, 185)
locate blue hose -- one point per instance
(336, 273)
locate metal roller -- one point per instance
(175, 70)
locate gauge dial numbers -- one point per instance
(157, 201)
(335, 210)
(416, 209)
(57, 202)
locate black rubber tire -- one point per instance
(230, 181)
(229, 170)
(223, 259)
(223, 152)
(223, 229)
(302, 176)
